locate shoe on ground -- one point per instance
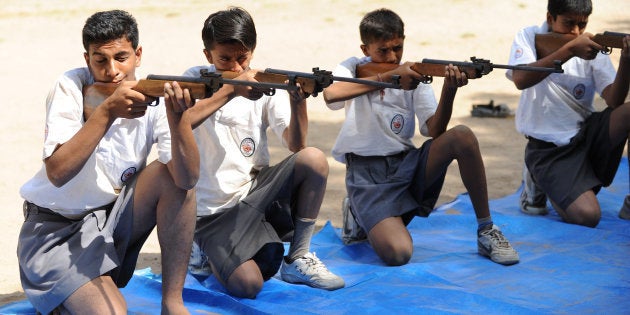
(198, 264)
(351, 232)
(311, 271)
(624, 212)
(533, 200)
(491, 243)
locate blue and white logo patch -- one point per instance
(397, 123)
(248, 146)
(127, 174)
(579, 91)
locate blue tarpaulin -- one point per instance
(564, 268)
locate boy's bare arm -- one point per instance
(184, 163)
(342, 91)
(453, 80)
(100, 111)
(616, 93)
(295, 134)
(582, 47)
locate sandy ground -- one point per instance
(41, 39)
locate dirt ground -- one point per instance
(41, 39)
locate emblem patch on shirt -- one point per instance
(397, 123)
(248, 146)
(518, 53)
(127, 174)
(578, 91)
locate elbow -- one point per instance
(56, 178)
(189, 183)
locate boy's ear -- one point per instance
(138, 56)
(208, 56)
(549, 20)
(364, 50)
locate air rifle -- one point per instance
(199, 87)
(430, 68)
(321, 79)
(547, 43)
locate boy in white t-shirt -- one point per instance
(95, 200)
(246, 207)
(388, 180)
(572, 150)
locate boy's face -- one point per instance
(385, 50)
(567, 23)
(229, 57)
(114, 61)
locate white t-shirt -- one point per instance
(553, 109)
(380, 127)
(232, 143)
(122, 152)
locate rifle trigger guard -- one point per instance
(606, 50)
(155, 103)
(427, 79)
(270, 92)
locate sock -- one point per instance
(302, 234)
(484, 223)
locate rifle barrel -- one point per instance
(330, 77)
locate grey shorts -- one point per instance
(253, 228)
(381, 187)
(58, 255)
(588, 162)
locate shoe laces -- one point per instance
(497, 237)
(311, 262)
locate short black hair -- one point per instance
(234, 25)
(381, 24)
(559, 7)
(106, 26)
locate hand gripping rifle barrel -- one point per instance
(482, 67)
(323, 79)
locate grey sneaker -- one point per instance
(533, 201)
(351, 232)
(198, 264)
(624, 212)
(491, 243)
(311, 271)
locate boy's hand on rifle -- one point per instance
(454, 78)
(297, 95)
(625, 51)
(119, 100)
(248, 91)
(409, 79)
(177, 99)
(584, 47)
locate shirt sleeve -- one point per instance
(603, 72)
(346, 69)
(425, 104)
(278, 110)
(64, 110)
(523, 49)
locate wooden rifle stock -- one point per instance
(429, 68)
(547, 43)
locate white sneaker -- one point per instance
(491, 243)
(351, 231)
(198, 264)
(533, 200)
(311, 271)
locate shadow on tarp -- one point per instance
(563, 269)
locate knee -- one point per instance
(585, 216)
(465, 137)
(247, 287)
(313, 159)
(395, 254)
